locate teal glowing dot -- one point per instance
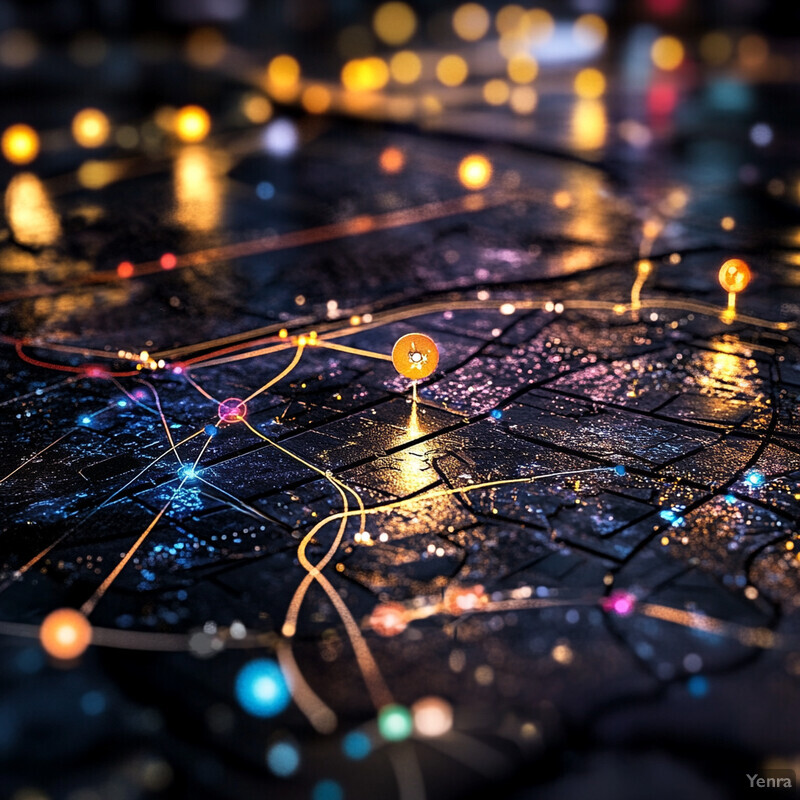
(283, 759)
(86, 420)
(395, 723)
(211, 430)
(356, 745)
(122, 403)
(620, 470)
(697, 686)
(755, 478)
(187, 472)
(261, 688)
(730, 499)
(327, 790)
(497, 413)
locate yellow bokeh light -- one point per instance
(65, 634)
(590, 83)
(496, 92)
(667, 53)
(452, 70)
(523, 99)
(29, 211)
(716, 48)
(589, 125)
(539, 25)
(316, 99)
(283, 77)
(522, 68)
(191, 124)
(475, 171)
(727, 223)
(394, 23)
(365, 74)
(471, 22)
(405, 66)
(20, 144)
(590, 28)
(90, 127)
(199, 187)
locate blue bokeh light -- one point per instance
(327, 790)
(261, 688)
(356, 745)
(283, 758)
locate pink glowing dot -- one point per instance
(168, 261)
(125, 269)
(178, 370)
(95, 372)
(232, 410)
(621, 603)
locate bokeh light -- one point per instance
(395, 723)
(394, 23)
(475, 171)
(667, 53)
(433, 716)
(65, 634)
(192, 124)
(20, 144)
(590, 84)
(471, 22)
(261, 688)
(90, 127)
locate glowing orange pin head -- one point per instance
(65, 634)
(734, 275)
(415, 356)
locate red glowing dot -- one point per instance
(664, 8)
(93, 371)
(388, 619)
(232, 410)
(662, 99)
(125, 269)
(621, 603)
(168, 261)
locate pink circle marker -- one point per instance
(232, 410)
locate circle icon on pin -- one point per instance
(415, 356)
(232, 410)
(734, 275)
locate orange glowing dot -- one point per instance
(475, 171)
(20, 144)
(496, 92)
(125, 269)
(392, 160)
(365, 74)
(168, 261)
(458, 599)
(192, 124)
(644, 267)
(388, 619)
(415, 356)
(283, 72)
(316, 99)
(90, 127)
(562, 199)
(727, 223)
(65, 634)
(734, 275)
(522, 68)
(257, 108)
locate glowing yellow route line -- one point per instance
(202, 450)
(90, 604)
(376, 686)
(292, 364)
(354, 350)
(321, 716)
(163, 418)
(36, 455)
(198, 387)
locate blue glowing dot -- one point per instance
(671, 515)
(730, 499)
(497, 413)
(265, 190)
(261, 688)
(755, 478)
(327, 790)
(122, 403)
(697, 686)
(85, 420)
(93, 703)
(356, 745)
(620, 470)
(187, 472)
(283, 759)
(211, 430)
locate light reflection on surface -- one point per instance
(199, 188)
(29, 211)
(588, 125)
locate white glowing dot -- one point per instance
(761, 134)
(281, 138)
(549, 305)
(432, 716)
(483, 295)
(507, 309)
(558, 308)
